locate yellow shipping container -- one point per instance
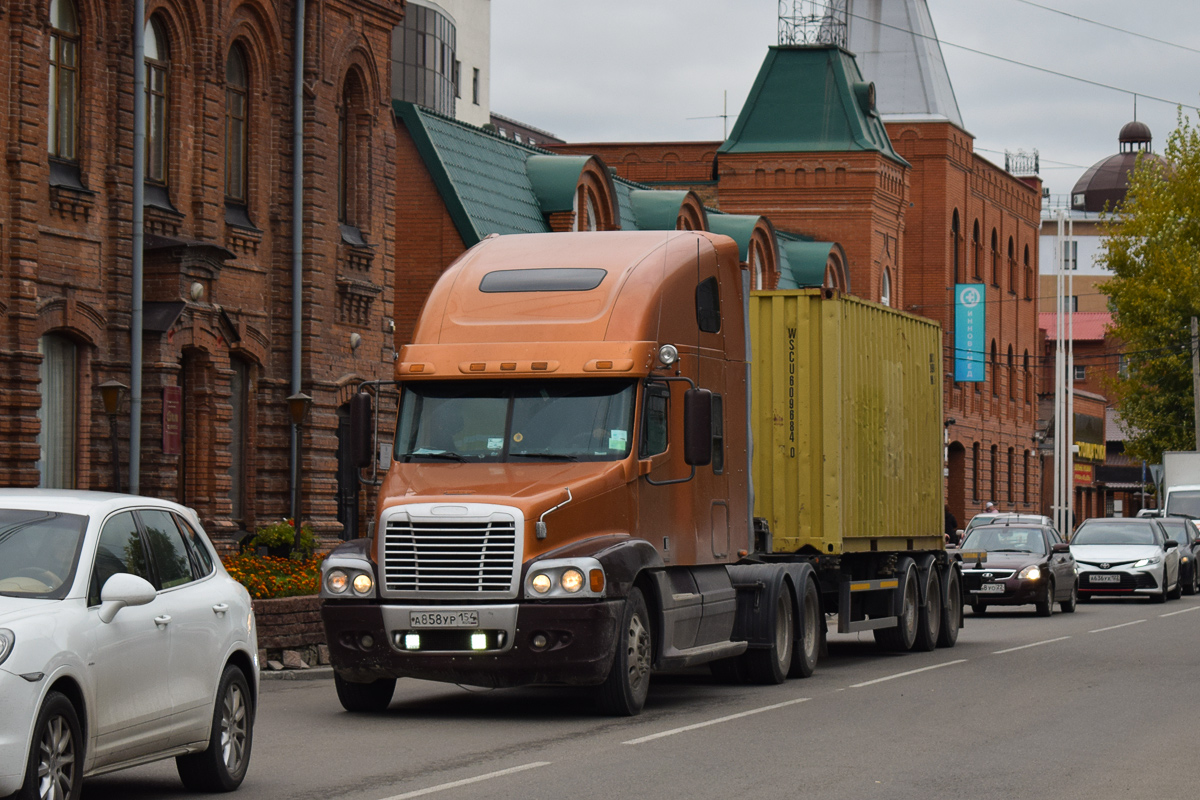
(847, 423)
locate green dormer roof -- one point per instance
(809, 98)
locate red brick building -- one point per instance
(217, 330)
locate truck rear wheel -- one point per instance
(624, 691)
(364, 697)
(929, 617)
(808, 643)
(771, 665)
(907, 600)
(952, 607)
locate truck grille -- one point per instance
(461, 557)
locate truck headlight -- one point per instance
(572, 580)
(541, 583)
(565, 577)
(337, 581)
(1030, 573)
(362, 583)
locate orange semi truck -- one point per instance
(611, 458)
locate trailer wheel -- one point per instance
(624, 691)
(907, 599)
(771, 665)
(929, 616)
(808, 644)
(952, 607)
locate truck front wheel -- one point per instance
(365, 697)
(624, 691)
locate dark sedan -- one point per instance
(1184, 531)
(1026, 564)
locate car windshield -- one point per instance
(1176, 529)
(1114, 533)
(1002, 539)
(1185, 503)
(38, 551)
(517, 421)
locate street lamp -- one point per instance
(111, 392)
(298, 406)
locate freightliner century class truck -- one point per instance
(611, 458)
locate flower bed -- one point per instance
(267, 577)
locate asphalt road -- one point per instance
(1096, 704)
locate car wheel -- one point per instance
(624, 691)
(55, 767)
(978, 608)
(364, 697)
(1068, 605)
(222, 766)
(1046, 608)
(1161, 597)
(1176, 592)
(770, 665)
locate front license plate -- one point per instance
(443, 619)
(992, 588)
(1105, 578)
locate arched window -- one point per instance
(756, 265)
(353, 103)
(995, 258)
(158, 62)
(995, 471)
(975, 481)
(64, 79)
(954, 236)
(1012, 266)
(1028, 276)
(237, 107)
(1028, 378)
(1025, 477)
(1012, 466)
(977, 247)
(59, 374)
(1012, 374)
(995, 371)
(586, 206)
(885, 289)
(239, 426)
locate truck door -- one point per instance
(711, 492)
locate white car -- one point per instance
(1126, 555)
(122, 641)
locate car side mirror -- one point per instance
(1060, 547)
(1169, 543)
(124, 589)
(362, 434)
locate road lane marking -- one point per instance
(686, 728)
(1114, 627)
(1022, 647)
(906, 674)
(1181, 611)
(466, 781)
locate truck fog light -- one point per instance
(479, 641)
(412, 641)
(539, 641)
(572, 580)
(363, 583)
(541, 583)
(367, 641)
(337, 581)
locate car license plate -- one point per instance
(1105, 578)
(443, 619)
(992, 588)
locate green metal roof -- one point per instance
(809, 98)
(802, 263)
(656, 209)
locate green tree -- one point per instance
(1152, 247)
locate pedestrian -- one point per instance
(951, 529)
(990, 508)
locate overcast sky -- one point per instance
(639, 70)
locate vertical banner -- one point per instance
(172, 423)
(969, 328)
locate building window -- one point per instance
(1080, 373)
(977, 248)
(885, 290)
(954, 234)
(1070, 254)
(239, 401)
(64, 78)
(1028, 276)
(995, 370)
(1012, 267)
(353, 103)
(1070, 303)
(1012, 374)
(455, 79)
(1025, 477)
(586, 218)
(425, 70)
(1012, 465)
(1122, 365)
(1028, 374)
(157, 97)
(59, 375)
(237, 93)
(995, 258)
(475, 86)
(975, 482)
(995, 471)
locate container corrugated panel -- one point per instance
(847, 424)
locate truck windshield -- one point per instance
(517, 420)
(1185, 503)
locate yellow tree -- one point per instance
(1152, 247)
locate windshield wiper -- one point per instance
(1009, 550)
(548, 456)
(446, 455)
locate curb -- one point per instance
(311, 674)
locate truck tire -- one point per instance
(929, 616)
(624, 691)
(364, 697)
(807, 648)
(906, 603)
(770, 665)
(952, 606)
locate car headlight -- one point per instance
(337, 581)
(1030, 573)
(565, 577)
(1147, 562)
(7, 640)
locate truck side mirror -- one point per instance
(361, 430)
(697, 427)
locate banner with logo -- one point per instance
(969, 332)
